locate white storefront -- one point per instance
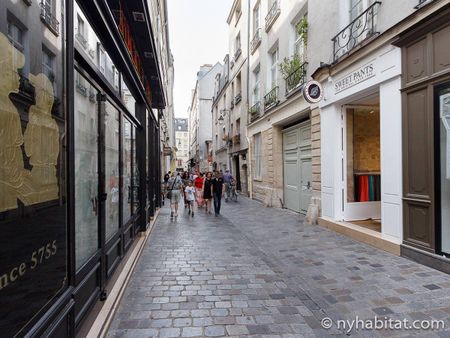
(361, 145)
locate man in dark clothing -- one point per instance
(166, 177)
(217, 184)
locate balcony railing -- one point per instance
(255, 111)
(296, 78)
(256, 41)
(363, 27)
(237, 53)
(82, 40)
(26, 89)
(81, 88)
(271, 98)
(48, 17)
(28, 2)
(422, 3)
(237, 139)
(237, 98)
(274, 13)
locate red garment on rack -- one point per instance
(363, 188)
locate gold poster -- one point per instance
(40, 139)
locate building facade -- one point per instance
(82, 88)
(282, 126)
(366, 187)
(182, 143)
(230, 103)
(200, 119)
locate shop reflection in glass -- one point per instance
(86, 172)
(32, 205)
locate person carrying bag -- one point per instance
(169, 193)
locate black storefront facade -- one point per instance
(426, 138)
(81, 96)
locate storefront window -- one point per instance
(112, 169)
(135, 203)
(126, 170)
(33, 180)
(86, 171)
(128, 98)
(444, 114)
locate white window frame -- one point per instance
(101, 58)
(237, 43)
(81, 26)
(47, 62)
(256, 92)
(18, 34)
(256, 18)
(258, 156)
(274, 60)
(360, 6)
(299, 45)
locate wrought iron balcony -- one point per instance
(82, 40)
(271, 98)
(296, 78)
(237, 53)
(92, 96)
(255, 111)
(28, 2)
(256, 41)
(26, 89)
(237, 98)
(237, 139)
(81, 88)
(363, 27)
(48, 17)
(274, 13)
(422, 3)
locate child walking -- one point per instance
(190, 197)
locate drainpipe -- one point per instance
(249, 155)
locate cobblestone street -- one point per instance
(260, 272)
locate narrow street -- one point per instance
(260, 272)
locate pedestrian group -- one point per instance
(198, 188)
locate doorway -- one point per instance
(443, 168)
(362, 165)
(237, 172)
(297, 167)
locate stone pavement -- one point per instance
(261, 272)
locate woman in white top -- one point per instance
(190, 197)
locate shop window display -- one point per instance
(112, 169)
(444, 114)
(86, 174)
(363, 155)
(126, 171)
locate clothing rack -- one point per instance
(367, 186)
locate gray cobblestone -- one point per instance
(266, 274)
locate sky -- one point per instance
(198, 34)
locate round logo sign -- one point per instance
(313, 91)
